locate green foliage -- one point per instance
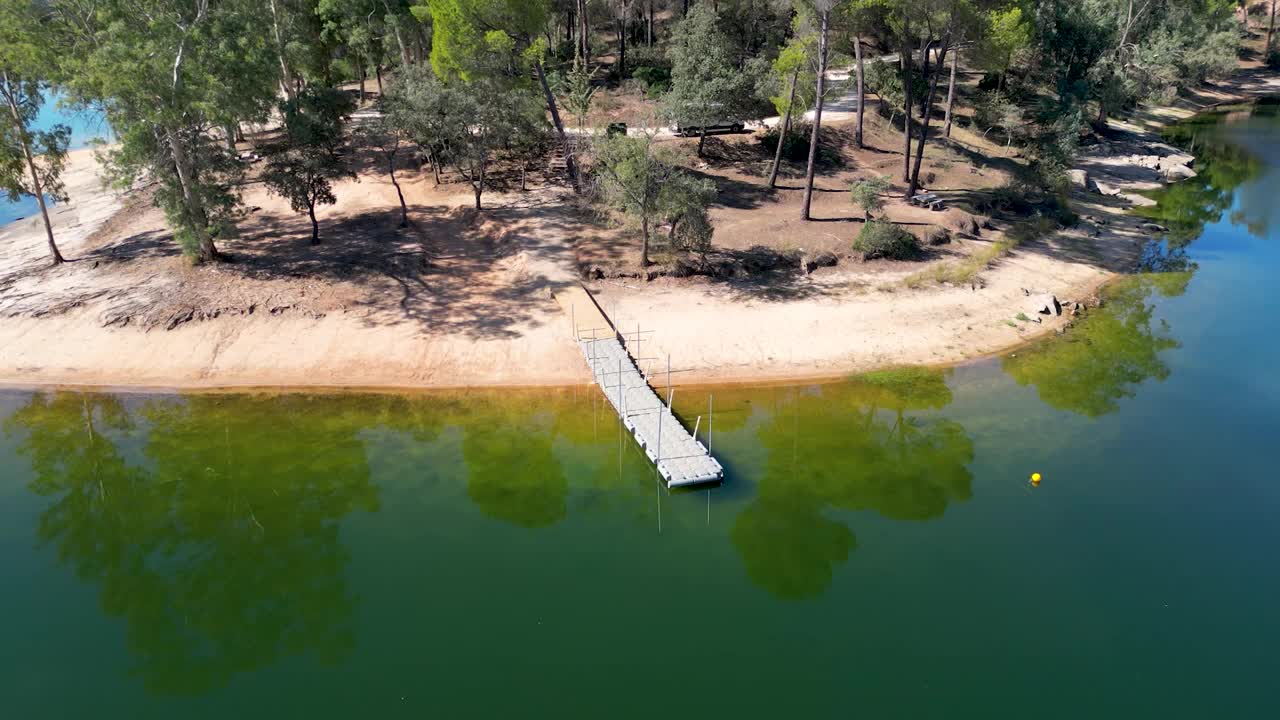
(166, 71)
(645, 183)
(303, 173)
(1106, 355)
(579, 94)
(707, 86)
(886, 240)
(1007, 37)
(910, 465)
(868, 194)
(995, 110)
(656, 80)
(796, 63)
(202, 524)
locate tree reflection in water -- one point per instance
(221, 553)
(1106, 355)
(848, 446)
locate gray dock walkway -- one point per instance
(680, 458)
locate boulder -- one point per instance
(1177, 159)
(1106, 189)
(1154, 228)
(816, 260)
(1079, 178)
(1178, 172)
(1045, 304)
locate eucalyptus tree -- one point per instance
(170, 74)
(31, 160)
(390, 141)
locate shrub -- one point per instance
(796, 146)
(1273, 59)
(886, 240)
(641, 56)
(654, 78)
(867, 194)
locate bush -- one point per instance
(1273, 59)
(886, 240)
(656, 80)
(796, 146)
(641, 56)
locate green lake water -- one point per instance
(876, 551)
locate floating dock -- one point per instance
(681, 459)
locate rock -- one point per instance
(1146, 161)
(1179, 172)
(1154, 228)
(817, 260)
(1107, 189)
(1045, 305)
(1139, 200)
(1177, 159)
(1079, 178)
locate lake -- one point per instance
(86, 127)
(876, 551)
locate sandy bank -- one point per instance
(466, 300)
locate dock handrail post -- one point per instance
(668, 379)
(695, 427)
(711, 406)
(657, 460)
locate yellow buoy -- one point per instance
(1035, 478)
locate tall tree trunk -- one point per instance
(928, 115)
(824, 18)
(862, 90)
(644, 243)
(582, 51)
(25, 140)
(951, 91)
(286, 75)
(391, 171)
(702, 139)
(550, 97)
(648, 33)
(904, 61)
(435, 164)
(230, 131)
(193, 207)
(622, 47)
(478, 185)
(363, 72)
(1271, 32)
(315, 226)
(377, 69)
(395, 27)
(784, 129)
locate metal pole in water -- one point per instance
(657, 461)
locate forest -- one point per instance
(467, 84)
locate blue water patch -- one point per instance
(86, 128)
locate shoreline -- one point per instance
(350, 352)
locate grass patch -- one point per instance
(1023, 317)
(966, 271)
